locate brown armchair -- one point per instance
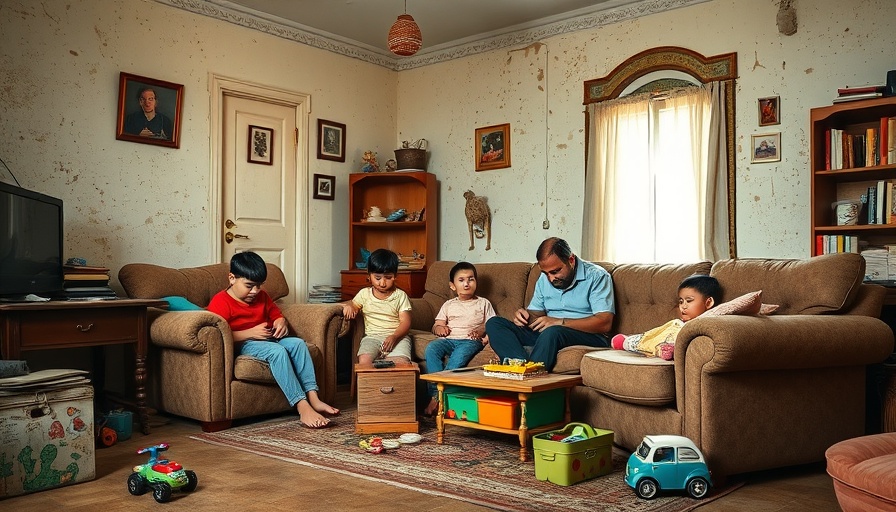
(193, 371)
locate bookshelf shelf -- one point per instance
(854, 118)
(390, 191)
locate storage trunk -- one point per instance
(47, 439)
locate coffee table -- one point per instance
(473, 378)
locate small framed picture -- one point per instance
(492, 147)
(766, 148)
(324, 187)
(149, 110)
(769, 111)
(330, 140)
(261, 145)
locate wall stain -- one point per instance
(756, 64)
(562, 146)
(73, 52)
(809, 71)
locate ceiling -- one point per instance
(450, 28)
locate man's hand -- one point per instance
(521, 318)
(543, 322)
(146, 132)
(280, 329)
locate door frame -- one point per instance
(220, 85)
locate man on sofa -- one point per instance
(573, 304)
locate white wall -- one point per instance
(838, 43)
(128, 202)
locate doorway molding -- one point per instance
(220, 86)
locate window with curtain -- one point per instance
(654, 190)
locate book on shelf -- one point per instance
(830, 244)
(863, 89)
(84, 269)
(891, 140)
(85, 277)
(67, 284)
(882, 144)
(855, 97)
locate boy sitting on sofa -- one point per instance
(460, 326)
(696, 294)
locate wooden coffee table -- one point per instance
(473, 378)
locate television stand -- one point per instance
(50, 325)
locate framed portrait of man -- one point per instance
(149, 110)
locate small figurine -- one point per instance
(370, 163)
(667, 462)
(391, 165)
(375, 215)
(396, 215)
(160, 475)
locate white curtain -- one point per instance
(655, 186)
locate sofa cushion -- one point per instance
(819, 285)
(647, 294)
(630, 377)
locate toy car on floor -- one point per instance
(160, 475)
(666, 462)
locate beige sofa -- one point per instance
(752, 392)
(193, 370)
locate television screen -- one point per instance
(30, 243)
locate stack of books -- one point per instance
(324, 294)
(873, 146)
(86, 282)
(880, 263)
(864, 92)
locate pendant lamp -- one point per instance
(404, 37)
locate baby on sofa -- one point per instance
(696, 295)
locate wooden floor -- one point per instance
(230, 480)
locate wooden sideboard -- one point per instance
(32, 326)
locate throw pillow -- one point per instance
(767, 309)
(177, 303)
(747, 304)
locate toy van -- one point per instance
(666, 463)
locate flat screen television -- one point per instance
(30, 244)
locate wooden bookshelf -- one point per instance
(830, 186)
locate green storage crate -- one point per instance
(570, 463)
(545, 407)
(462, 401)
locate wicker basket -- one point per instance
(411, 158)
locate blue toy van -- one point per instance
(666, 462)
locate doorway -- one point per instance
(260, 176)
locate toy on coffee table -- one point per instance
(667, 462)
(514, 369)
(160, 475)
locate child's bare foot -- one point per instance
(309, 417)
(432, 407)
(319, 405)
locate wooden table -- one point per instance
(473, 378)
(73, 324)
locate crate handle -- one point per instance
(547, 457)
(589, 430)
(386, 390)
(590, 454)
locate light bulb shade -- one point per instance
(404, 36)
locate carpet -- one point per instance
(475, 466)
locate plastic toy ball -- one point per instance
(161, 476)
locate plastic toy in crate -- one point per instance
(514, 369)
(575, 453)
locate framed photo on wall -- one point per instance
(330, 140)
(769, 111)
(261, 145)
(149, 110)
(324, 187)
(766, 148)
(492, 147)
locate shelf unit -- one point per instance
(829, 186)
(390, 191)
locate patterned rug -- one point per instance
(475, 466)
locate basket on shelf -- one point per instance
(411, 158)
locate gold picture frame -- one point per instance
(766, 147)
(492, 147)
(769, 110)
